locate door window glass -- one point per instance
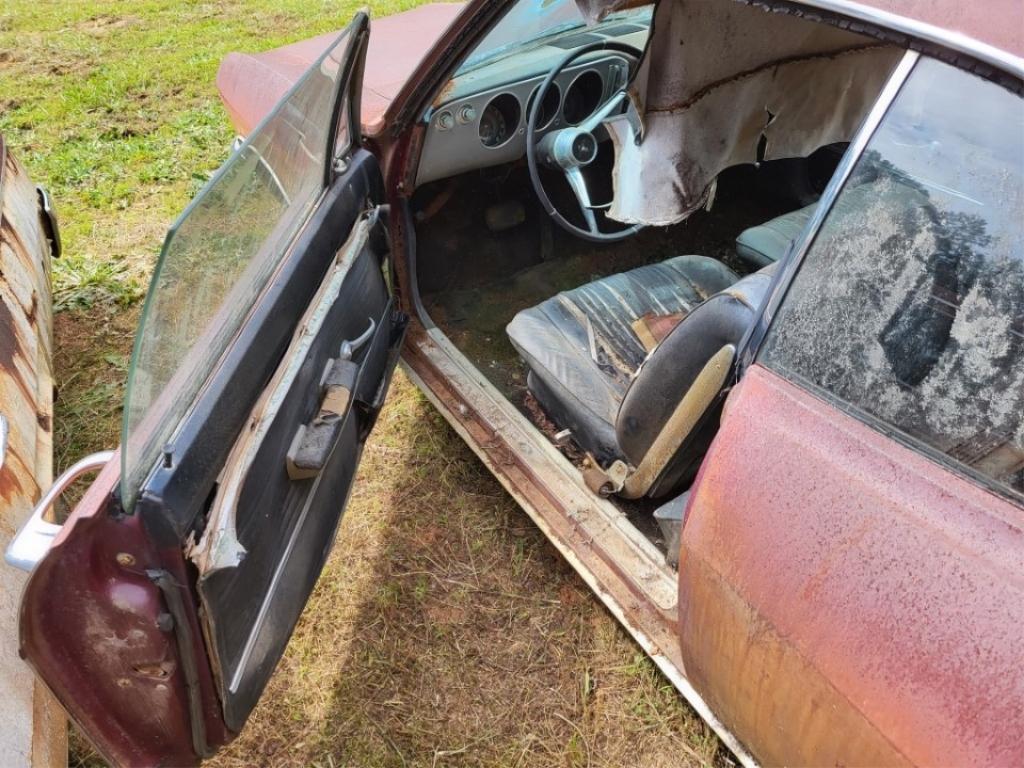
(909, 305)
(220, 255)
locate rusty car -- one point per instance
(727, 294)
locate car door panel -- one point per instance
(827, 617)
(171, 501)
(158, 658)
(253, 585)
(97, 629)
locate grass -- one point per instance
(445, 629)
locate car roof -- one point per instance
(998, 25)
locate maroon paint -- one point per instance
(999, 23)
(251, 84)
(863, 585)
(89, 627)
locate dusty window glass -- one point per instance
(909, 305)
(220, 255)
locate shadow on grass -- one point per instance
(446, 630)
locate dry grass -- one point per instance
(445, 629)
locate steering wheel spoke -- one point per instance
(573, 148)
(579, 187)
(602, 114)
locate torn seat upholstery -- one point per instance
(602, 364)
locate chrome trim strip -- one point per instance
(794, 257)
(33, 540)
(957, 41)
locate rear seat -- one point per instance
(767, 243)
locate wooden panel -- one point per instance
(33, 731)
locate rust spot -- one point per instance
(444, 94)
(160, 670)
(10, 350)
(10, 486)
(10, 234)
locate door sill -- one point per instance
(623, 568)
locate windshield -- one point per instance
(532, 20)
(218, 257)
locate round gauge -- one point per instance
(548, 107)
(582, 97)
(499, 120)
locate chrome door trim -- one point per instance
(33, 540)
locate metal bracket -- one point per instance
(33, 540)
(605, 482)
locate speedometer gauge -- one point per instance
(499, 120)
(493, 128)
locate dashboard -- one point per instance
(480, 118)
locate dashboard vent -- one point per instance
(622, 29)
(575, 41)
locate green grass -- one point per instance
(113, 105)
(445, 630)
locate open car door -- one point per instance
(160, 608)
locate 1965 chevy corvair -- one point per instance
(728, 295)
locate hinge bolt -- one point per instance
(124, 559)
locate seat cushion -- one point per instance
(767, 243)
(583, 346)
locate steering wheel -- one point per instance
(573, 148)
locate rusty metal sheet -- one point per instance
(845, 600)
(33, 732)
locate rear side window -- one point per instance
(909, 305)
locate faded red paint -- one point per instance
(89, 628)
(844, 599)
(251, 84)
(999, 23)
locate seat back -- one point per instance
(670, 370)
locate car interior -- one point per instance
(618, 349)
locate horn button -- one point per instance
(569, 148)
(584, 147)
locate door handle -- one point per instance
(313, 442)
(33, 540)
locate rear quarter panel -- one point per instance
(845, 600)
